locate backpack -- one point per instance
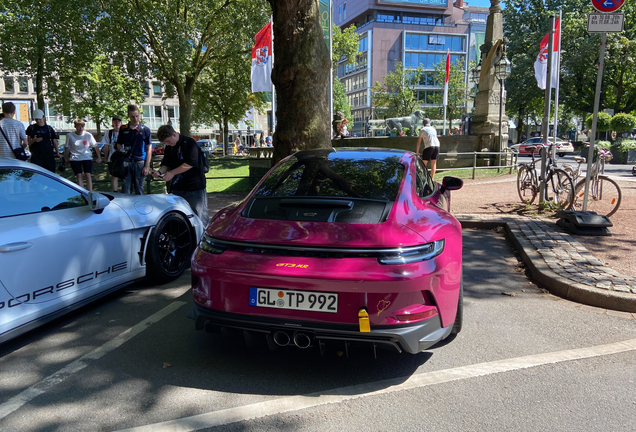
(118, 165)
(203, 161)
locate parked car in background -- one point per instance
(354, 246)
(157, 147)
(210, 147)
(563, 147)
(63, 247)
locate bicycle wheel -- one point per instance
(604, 197)
(559, 189)
(525, 185)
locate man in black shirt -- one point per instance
(43, 142)
(181, 164)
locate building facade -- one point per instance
(413, 32)
(157, 109)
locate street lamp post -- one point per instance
(502, 71)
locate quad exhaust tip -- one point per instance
(301, 340)
(281, 338)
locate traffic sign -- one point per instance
(605, 23)
(607, 5)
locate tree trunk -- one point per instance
(301, 76)
(39, 81)
(225, 129)
(185, 106)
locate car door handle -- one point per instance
(12, 247)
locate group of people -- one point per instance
(181, 164)
(257, 140)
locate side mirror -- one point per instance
(97, 202)
(451, 184)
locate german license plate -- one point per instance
(295, 300)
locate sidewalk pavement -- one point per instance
(559, 263)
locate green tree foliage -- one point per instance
(222, 94)
(457, 94)
(623, 122)
(527, 22)
(603, 122)
(396, 93)
(39, 39)
(340, 100)
(345, 47)
(176, 41)
(100, 91)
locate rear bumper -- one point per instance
(411, 338)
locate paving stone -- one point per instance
(622, 288)
(603, 284)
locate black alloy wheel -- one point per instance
(169, 248)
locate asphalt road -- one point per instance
(524, 361)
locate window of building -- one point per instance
(23, 85)
(146, 88)
(8, 85)
(156, 88)
(157, 111)
(340, 13)
(363, 45)
(173, 113)
(344, 11)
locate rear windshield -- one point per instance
(335, 175)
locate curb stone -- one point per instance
(559, 263)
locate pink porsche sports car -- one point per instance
(335, 246)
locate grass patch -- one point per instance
(219, 167)
(479, 173)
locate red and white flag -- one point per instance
(541, 64)
(262, 60)
(447, 76)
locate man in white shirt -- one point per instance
(14, 131)
(428, 135)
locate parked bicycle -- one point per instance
(559, 186)
(605, 195)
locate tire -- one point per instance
(169, 248)
(561, 154)
(560, 189)
(604, 199)
(525, 185)
(459, 317)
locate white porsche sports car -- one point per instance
(62, 247)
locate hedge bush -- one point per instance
(623, 122)
(603, 123)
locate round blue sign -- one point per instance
(607, 5)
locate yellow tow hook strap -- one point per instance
(363, 320)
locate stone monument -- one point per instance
(485, 123)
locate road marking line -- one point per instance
(60, 376)
(295, 403)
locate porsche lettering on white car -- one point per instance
(62, 247)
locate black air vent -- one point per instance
(318, 209)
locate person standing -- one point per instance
(261, 142)
(78, 152)
(134, 139)
(43, 142)
(109, 139)
(181, 164)
(269, 140)
(13, 134)
(430, 153)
